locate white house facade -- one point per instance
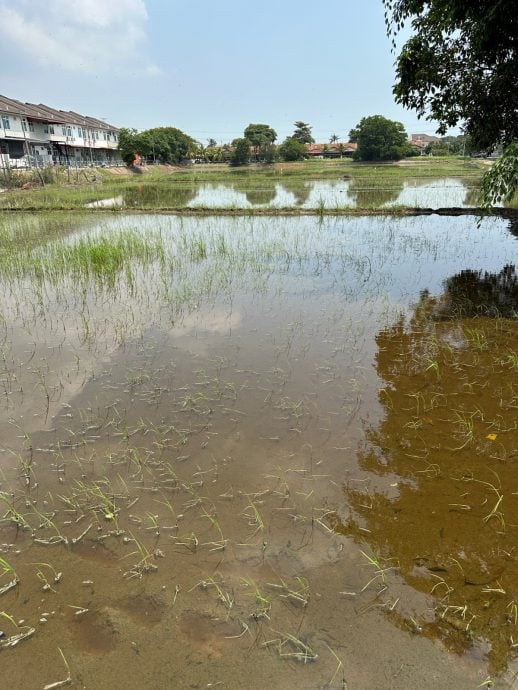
(36, 135)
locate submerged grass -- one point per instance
(168, 457)
(101, 255)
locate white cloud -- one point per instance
(83, 35)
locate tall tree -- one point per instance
(128, 145)
(164, 144)
(292, 150)
(460, 67)
(240, 152)
(333, 138)
(379, 139)
(302, 132)
(260, 137)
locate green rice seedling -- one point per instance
(103, 503)
(496, 511)
(378, 569)
(466, 427)
(61, 683)
(6, 569)
(171, 509)
(25, 464)
(145, 564)
(339, 668)
(56, 576)
(13, 515)
(212, 518)
(197, 249)
(263, 603)
(476, 338)
(291, 647)
(296, 409)
(298, 595)
(236, 637)
(254, 518)
(48, 523)
(434, 366)
(23, 632)
(494, 590)
(512, 616)
(190, 541)
(226, 598)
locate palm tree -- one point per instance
(333, 138)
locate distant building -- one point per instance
(331, 150)
(36, 135)
(423, 139)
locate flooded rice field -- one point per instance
(300, 193)
(258, 452)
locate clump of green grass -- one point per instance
(101, 256)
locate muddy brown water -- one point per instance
(286, 461)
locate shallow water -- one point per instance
(261, 454)
(297, 193)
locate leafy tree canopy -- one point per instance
(292, 149)
(164, 144)
(460, 66)
(302, 132)
(259, 135)
(379, 139)
(241, 152)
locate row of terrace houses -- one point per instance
(36, 136)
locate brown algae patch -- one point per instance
(144, 609)
(94, 632)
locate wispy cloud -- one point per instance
(92, 36)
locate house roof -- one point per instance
(45, 113)
(315, 149)
(424, 137)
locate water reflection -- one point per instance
(202, 413)
(260, 195)
(250, 192)
(438, 498)
(364, 194)
(474, 293)
(172, 196)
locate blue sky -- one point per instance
(209, 67)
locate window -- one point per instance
(31, 126)
(24, 125)
(51, 129)
(5, 122)
(64, 131)
(79, 132)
